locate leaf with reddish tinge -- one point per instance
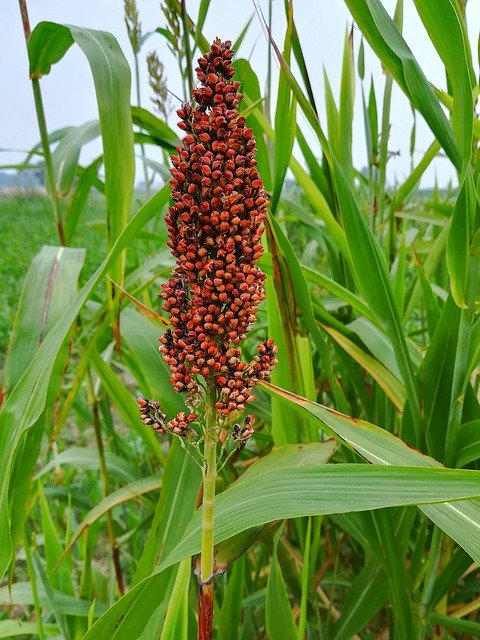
(49, 287)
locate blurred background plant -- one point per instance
(372, 298)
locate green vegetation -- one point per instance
(25, 226)
(353, 510)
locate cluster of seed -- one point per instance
(215, 227)
(152, 416)
(242, 433)
(179, 424)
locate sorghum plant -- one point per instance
(158, 84)
(212, 296)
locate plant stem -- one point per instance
(205, 605)
(268, 91)
(186, 48)
(430, 577)
(33, 583)
(42, 125)
(106, 489)
(142, 146)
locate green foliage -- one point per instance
(367, 445)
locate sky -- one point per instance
(69, 96)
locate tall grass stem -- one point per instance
(205, 611)
(33, 582)
(142, 146)
(106, 488)
(42, 125)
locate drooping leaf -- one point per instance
(130, 491)
(49, 286)
(460, 520)
(111, 75)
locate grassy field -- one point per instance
(26, 223)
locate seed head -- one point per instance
(214, 230)
(151, 415)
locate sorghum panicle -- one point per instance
(215, 227)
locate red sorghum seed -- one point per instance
(214, 230)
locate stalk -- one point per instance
(186, 48)
(142, 146)
(430, 577)
(106, 491)
(42, 125)
(205, 604)
(379, 197)
(33, 583)
(269, 65)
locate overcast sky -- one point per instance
(69, 96)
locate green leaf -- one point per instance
(299, 490)
(229, 618)
(468, 628)
(141, 351)
(372, 118)
(66, 155)
(285, 126)
(241, 36)
(458, 241)
(60, 576)
(361, 60)
(447, 30)
(129, 616)
(202, 15)
(88, 178)
(438, 377)
(130, 491)
(250, 88)
(20, 593)
(388, 382)
(157, 128)
(332, 115)
(303, 300)
(111, 76)
(181, 483)
(295, 455)
(175, 626)
(337, 488)
(284, 429)
(300, 58)
(461, 521)
(278, 613)
(345, 111)
(468, 443)
(49, 286)
(51, 599)
(85, 458)
(373, 278)
(432, 310)
(12, 628)
(364, 598)
(312, 192)
(450, 574)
